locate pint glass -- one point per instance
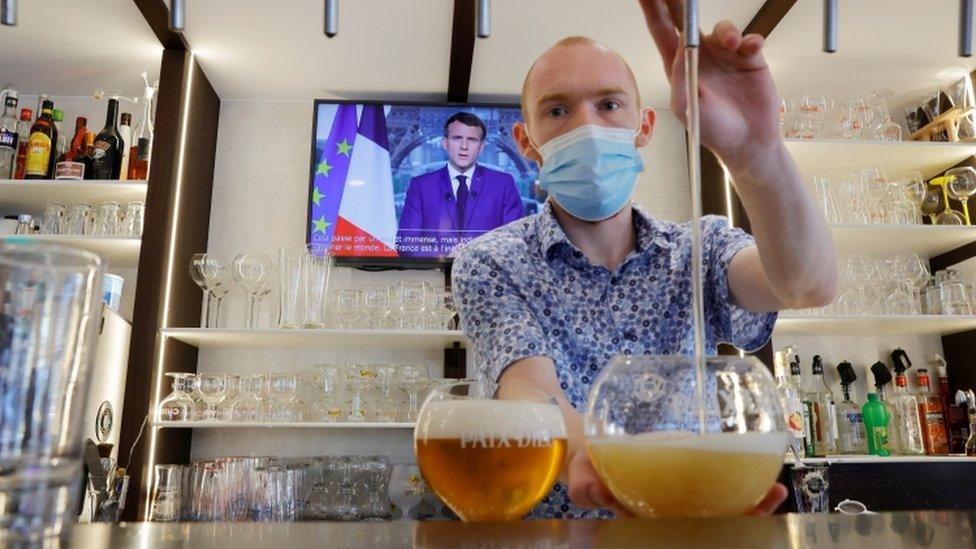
(490, 452)
(645, 439)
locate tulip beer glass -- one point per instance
(644, 434)
(490, 452)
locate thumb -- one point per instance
(585, 487)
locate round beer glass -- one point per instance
(489, 452)
(643, 427)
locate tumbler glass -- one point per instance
(53, 221)
(134, 218)
(290, 269)
(53, 306)
(78, 221)
(107, 220)
(167, 494)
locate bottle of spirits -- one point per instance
(87, 158)
(108, 151)
(876, 422)
(825, 411)
(61, 143)
(909, 423)
(969, 401)
(933, 423)
(69, 165)
(142, 136)
(125, 130)
(806, 408)
(8, 135)
(952, 413)
(850, 424)
(789, 395)
(23, 134)
(882, 377)
(40, 145)
(139, 160)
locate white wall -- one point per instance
(260, 204)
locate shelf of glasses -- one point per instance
(19, 196)
(119, 252)
(886, 240)
(279, 425)
(789, 460)
(835, 158)
(346, 339)
(873, 325)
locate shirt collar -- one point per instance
(453, 173)
(650, 231)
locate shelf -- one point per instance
(836, 158)
(19, 196)
(873, 325)
(277, 425)
(346, 339)
(886, 240)
(881, 459)
(119, 252)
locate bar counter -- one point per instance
(885, 530)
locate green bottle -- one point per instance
(876, 424)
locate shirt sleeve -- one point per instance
(494, 313)
(747, 330)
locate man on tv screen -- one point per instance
(460, 201)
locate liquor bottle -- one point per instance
(142, 136)
(125, 130)
(108, 154)
(851, 437)
(69, 165)
(40, 145)
(881, 378)
(790, 397)
(909, 423)
(23, 134)
(971, 409)
(87, 158)
(876, 420)
(61, 143)
(40, 106)
(825, 411)
(806, 409)
(930, 411)
(139, 160)
(8, 135)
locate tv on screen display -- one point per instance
(385, 180)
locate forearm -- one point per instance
(795, 246)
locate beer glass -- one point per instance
(489, 452)
(52, 307)
(666, 450)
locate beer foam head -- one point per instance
(729, 443)
(503, 418)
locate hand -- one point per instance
(587, 490)
(739, 105)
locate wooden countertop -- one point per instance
(904, 529)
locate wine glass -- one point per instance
(212, 389)
(347, 308)
(248, 406)
(413, 380)
(887, 129)
(209, 272)
(178, 405)
(914, 187)
(962, 185)
(253, 273)
(327, 408)
(376, 307)
(685, 437)
(932, 203)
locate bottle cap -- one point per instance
(26, 114)
(81, 121)
(817, 365)
(882, 376)
(10, 101)
(872, 397)
(58, 115)
(846, 371)
(901, 361)
(126, 119)
(47, 105)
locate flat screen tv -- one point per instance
(385, 179)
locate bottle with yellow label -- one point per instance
(40, 145)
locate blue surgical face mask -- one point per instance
(591, 171)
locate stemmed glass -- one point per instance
(359, 379)
(916, 273)
(327, 408)
(209, 272)
(253, 272)
(178, 405)
(962, 185)
(412, 301)
(887, 129)
(915, 190)
(413, 380)
(376, 307)
(667, 444)
(347, 308)
(407, 487)
(212, 389)
(248, 406)
(386, 409)
(218, 293)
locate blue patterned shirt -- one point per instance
(525, 290)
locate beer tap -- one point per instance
(484, 18)
(331, 18)
(176, 16)
(830, 26)
(965, 28)
(8, 12)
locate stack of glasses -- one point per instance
(266, 489)
(383, 393)
(82, 219)
(897, 285)
(822, 117)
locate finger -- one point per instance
(677, 10)
(662, 31)
(776, 496)
(585, 488)
(751, 45)
(725, 36)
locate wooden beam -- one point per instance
(462, 51)
(156, 15)
(768, 16)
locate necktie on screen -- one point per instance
(462, 199)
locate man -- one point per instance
(460, 201)
(550, 299)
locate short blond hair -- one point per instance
(570, 41)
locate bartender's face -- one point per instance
(463, 144)
(573, 85)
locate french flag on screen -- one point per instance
(360, 218)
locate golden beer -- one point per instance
(490, 459)
(684, 474)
